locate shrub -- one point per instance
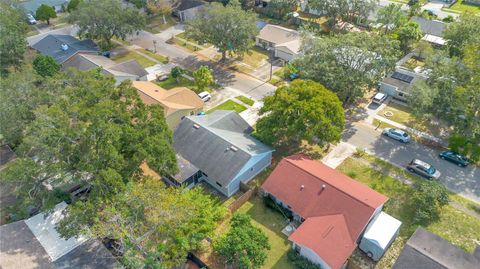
(301, 262)
(270, 203)
(429, 197)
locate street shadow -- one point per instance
(222, 76)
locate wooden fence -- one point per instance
(242, 200)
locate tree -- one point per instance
(45, 66)
(156, 225)
(391, 17)
(424, 49)
(13, 30)
(305, 110)
(45, 13)
(162, 7)
(348, 64)
(427, 199)
(106, 19)
(245, 245)
(72, 5)
(407, 34)
(279, 9)
(229, 28)
(203, 77)
(21, 93)
(346, 10)
(91, 133)
(462, 32)
(177, 72)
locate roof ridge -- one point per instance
(315, 176)
(225, 139)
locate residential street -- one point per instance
(464, 181)
(250, 86)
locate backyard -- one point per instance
(454, 225)
(228, 105)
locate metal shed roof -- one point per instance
(381, 230)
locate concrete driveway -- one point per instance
(464, 181)
(436, 8)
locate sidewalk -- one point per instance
(341, 152)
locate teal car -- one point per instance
(454, 157)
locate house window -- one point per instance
(297, 248)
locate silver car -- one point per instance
(396, 134)
(31, 19)
(423, 169)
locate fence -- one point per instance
(242, 199)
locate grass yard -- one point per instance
(171, 82)
(156, 24)
(158, 57)
(403, 116)
(144, 62)
(255, 57)
(229, 105)
(272, 223)
(245, 100)
(463, 7)
(457, 227)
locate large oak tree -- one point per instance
(229, 28)
(305, 110)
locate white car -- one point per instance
(31, 19)
(396, 134)
(205, 96)
(379, 98)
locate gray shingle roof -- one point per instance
(188, 4)
(430, 27)
(130, 67)
(51, 45)
(429, 251)
(206, 141)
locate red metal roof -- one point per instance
(312, 189)
(331, 236)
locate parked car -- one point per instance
(205, 96)
(379, 98)
(423, 169)
(454, 157)
(31, 19)
(396, 134)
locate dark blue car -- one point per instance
(454, 157)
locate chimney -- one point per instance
(64, 47)
(302, 187)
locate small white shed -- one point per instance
(379, 235)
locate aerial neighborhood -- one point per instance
(240, 134)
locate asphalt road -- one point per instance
(464, 181)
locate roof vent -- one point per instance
(64, 47)
(324, 186)
(196, 126)
(156, 90)
(233, 148)
(302, 187)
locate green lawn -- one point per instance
(454, 225)
(245, 100)
(461, 7)
(229, 105)
(144, 62)
(156, 25)
(255, 57)
(158, 57)
(272, 223)
(402, 115)
(171, 82)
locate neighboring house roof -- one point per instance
(172, 100)
(429, 251)
(32, 5)
(54, 46)
(281, 36)
(327, 235)
(206, 142)
(129, 68)
(34, 243)
(430, 27)
(188, 4)
(312, 189)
